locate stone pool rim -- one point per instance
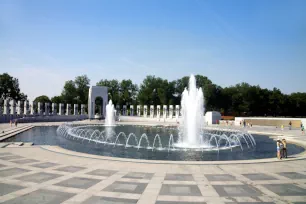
(273, 135)
(299, 156)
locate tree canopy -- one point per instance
(42, 99)
(57, 99)
(121, 93)
(76, 91)
(9, 88)
(239, 100)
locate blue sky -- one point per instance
(44, 43)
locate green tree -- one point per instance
(128, 92)
(154, 91)
(42, 99)
(113, 89)
(57, 99)
(69, 93)
(9, 88)
(82, 87)
(76, 91)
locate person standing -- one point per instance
(284, 152)
(302, 129)
(278, 149)
(281, 147)
(290, 124)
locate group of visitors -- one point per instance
(246, 124)
(281, 148)
(290, 127)
(14, 122)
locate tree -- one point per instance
(113, 89)
(76, 92)
(82, 87)
(69, 93)
(9, 88)
(154, 91)
(57, 99)
(240, 99)
(42, 99)
(128, 92)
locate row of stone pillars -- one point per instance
(143, 110)
(13, 108)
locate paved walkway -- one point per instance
(37, 175)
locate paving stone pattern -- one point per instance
(44, 165)
(51, 177)
(109, 200)
(41, 197)
(78, 182)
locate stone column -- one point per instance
(165, 109)
(68, 111)
(54, 109)
(177, 112)
(47, 109)
(18, 108)
(13, 107)
(131, 110)
(82, 109)
(145, 111)
(151, 111)
(124, 110)
(138, 110)
(61, 109)
(170, 111)
(26, 108)
(6, 107)
(118, 110)
(158, 111)
(33, 108)
(39, 108)
(75, 109)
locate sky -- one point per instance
(45, 43)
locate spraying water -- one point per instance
(192, 132)
(110, 114)
(192, 115)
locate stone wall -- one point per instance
(296, 122)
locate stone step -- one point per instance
(14, 144)
(27, 144)
(6, 132)
(25, 128)
(4, 144)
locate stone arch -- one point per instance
(94, 92)
(99, 105)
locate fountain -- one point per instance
(192, 135)
(192, 103)
(110, 114)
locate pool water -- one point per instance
(265, 146)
